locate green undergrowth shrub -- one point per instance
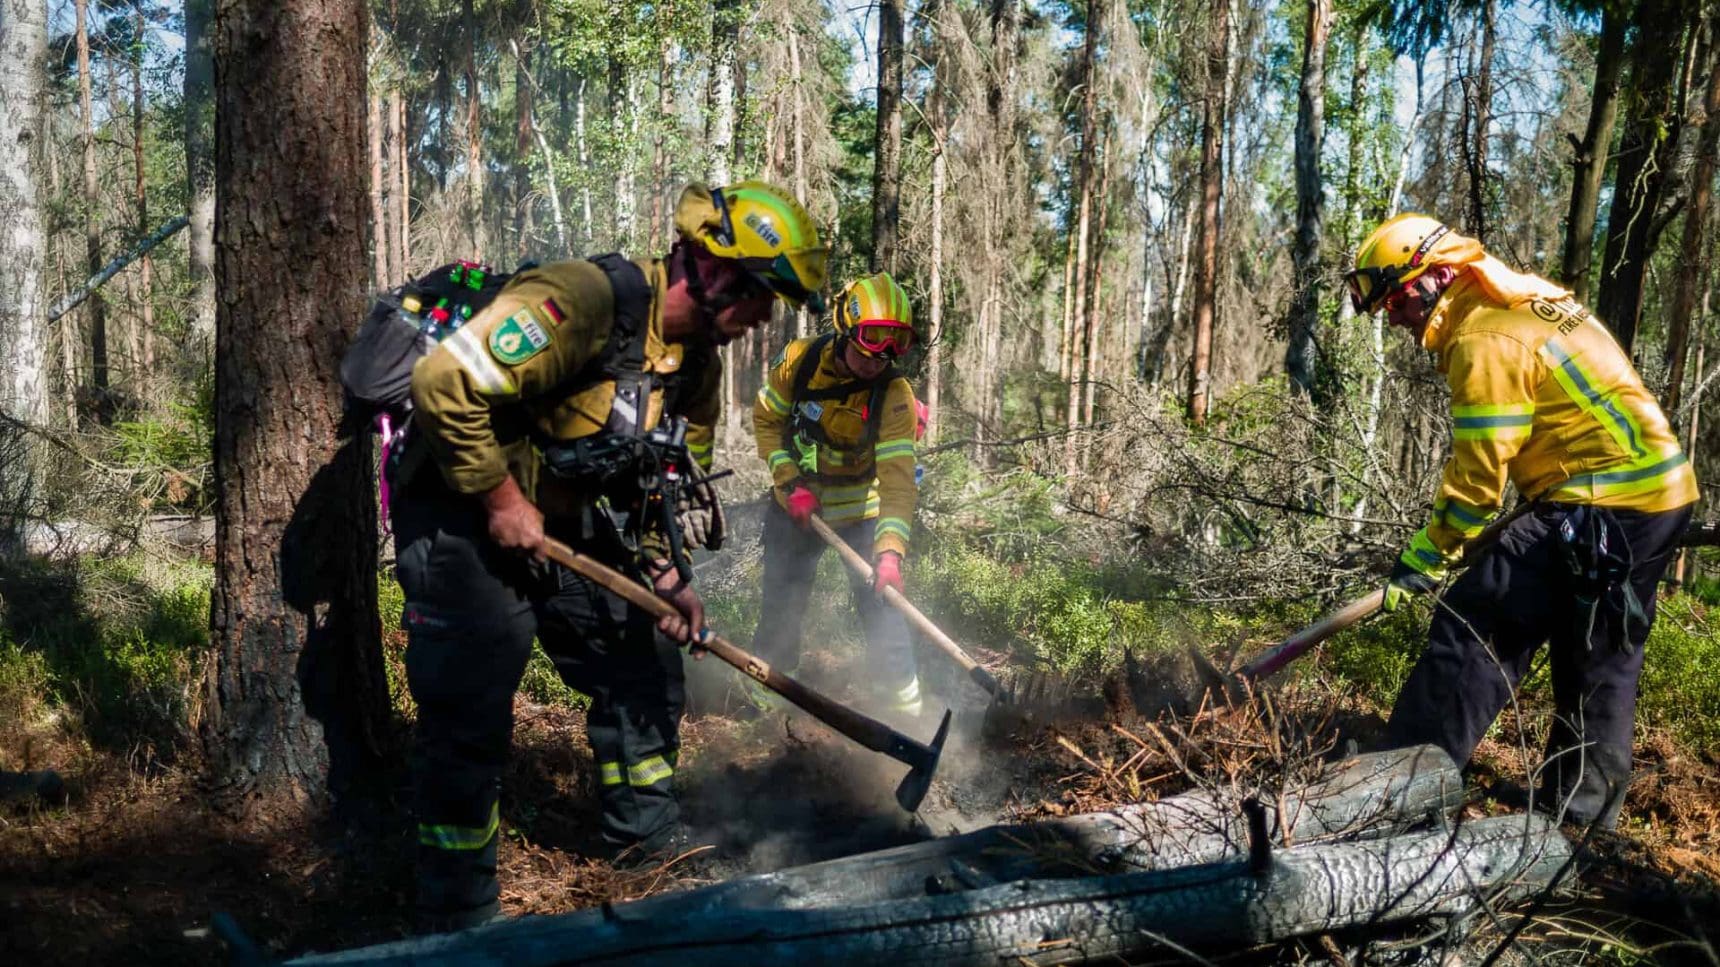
(115, 643)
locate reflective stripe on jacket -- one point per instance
(1542, 396)
(852, 483)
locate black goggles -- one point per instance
(778, 275)
(1369, 287)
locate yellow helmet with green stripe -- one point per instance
(765, 229)
(874, 312)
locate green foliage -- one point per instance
(117, 642)
(1681, 672)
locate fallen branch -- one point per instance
(75, 299)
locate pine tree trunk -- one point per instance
(99, 376)
(524, 142)
(1692, 267)
(1589, 164)
(1478, 109)
(887, 142)
(1093, 327)
(1082, 226)
(379, 278)
(391, 157)
(720, 89)
(1299, 358)
(936, 116)
(1645, 157)
(1211, 188)
(23, 255)
(797, 78)
(474, 139)
(200, 168)
(665, 118)
(295, 696)
(145, 362)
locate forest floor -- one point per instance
(133, 867)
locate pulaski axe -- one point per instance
(921, 759)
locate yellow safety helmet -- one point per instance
(765, 229)
(874, 313)
(1396, 254)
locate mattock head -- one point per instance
(918, 781)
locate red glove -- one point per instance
(802, 503)
(887, 573)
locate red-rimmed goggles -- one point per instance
(877, 337)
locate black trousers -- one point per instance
(471, 613)
(791, 555)
(1484, 636)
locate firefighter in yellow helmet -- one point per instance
(837, 425)
(1542, 398)
(519, 416)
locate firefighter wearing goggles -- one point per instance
(838, 426)
(1543, 399)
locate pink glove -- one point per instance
(887, 573)
(802, 503)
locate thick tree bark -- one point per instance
(887, 144)
(802, 318)
(720, 89)
(1646, 153)
(1211, 188)
(92, 228)
(937, 117)
(1299, 358)
(1589, 161)
(1693, 269)
(23, 255)
(200, 167)
(295, 695)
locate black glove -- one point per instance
(700, 512)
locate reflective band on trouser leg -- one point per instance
(649, 771)
(459, 837)
(907, 697)
(609, 773)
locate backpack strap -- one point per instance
(801, 392)
(623, 356)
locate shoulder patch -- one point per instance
(518, 338)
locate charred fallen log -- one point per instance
(1384, 792)
(1297, 892)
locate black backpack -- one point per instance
(403, 325)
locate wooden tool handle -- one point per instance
(869, 732)
(900, 602)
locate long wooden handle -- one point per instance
(1292, 647)
(900, 602)
(869, 732)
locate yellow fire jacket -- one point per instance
(515, 370)
(853, 482)
(1541, 395)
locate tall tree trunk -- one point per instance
(391, 157)
(379, 278)
(620, 222)
(23, 255)
(295, 696)
(474, 138)
(720, 89)
(1589, 156)
(403, 197)
(1646, 154)
(1093, 327)
(938, 120)
(92, 229)
(1692, 267)
(587, 230)
(1211, 188)
(1081, 226)
(802, 324)
(1478, 110)
(665, 117)
(145, 362)
(524, 142)
(200, 169)
(887, 143)
(1299, 358)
